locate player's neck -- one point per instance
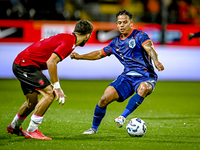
(79, 39)
(125, 35)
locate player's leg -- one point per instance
(40, 109)
(31, 79)
(26, 108)
(142, 91)
(109, 95)
(29, 105)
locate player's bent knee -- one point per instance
(144, 89)
(103, 102)
(50, 96)
(48, 93)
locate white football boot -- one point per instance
(90, 131)
(120, 121)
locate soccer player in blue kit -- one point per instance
(134, 49)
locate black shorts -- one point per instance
(31, 78)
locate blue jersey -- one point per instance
(131, 54)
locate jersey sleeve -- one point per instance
(65, 47)
(143, 38)
(107, 51)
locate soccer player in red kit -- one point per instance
(28, 66)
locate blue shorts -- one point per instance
(126, 85)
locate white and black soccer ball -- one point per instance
(136, 127)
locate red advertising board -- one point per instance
(31, 31)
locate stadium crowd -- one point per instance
(178, 11)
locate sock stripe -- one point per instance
(20, 117)
(37, 115)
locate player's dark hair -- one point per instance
(124, 12)
(83, 27)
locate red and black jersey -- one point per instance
(39, 52)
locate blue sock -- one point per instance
(133, 103)
(99, 113)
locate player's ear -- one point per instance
(88, 36)
(132, 22)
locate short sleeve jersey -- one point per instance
(130, 52)
(39, 52)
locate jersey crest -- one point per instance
(132, 43)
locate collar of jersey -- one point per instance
(127, 35)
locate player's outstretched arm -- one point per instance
(152, 53)
(89, 56)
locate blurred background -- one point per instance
(149, 11)
(167, 22)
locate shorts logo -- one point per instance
(25, 74)
(132, 43)
(41, 82)
(74, 46)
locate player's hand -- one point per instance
(75, 55)
(190, 36)
(60, 96)
(159, 66)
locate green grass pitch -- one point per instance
(171, 113)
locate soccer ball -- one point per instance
(136, 127)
